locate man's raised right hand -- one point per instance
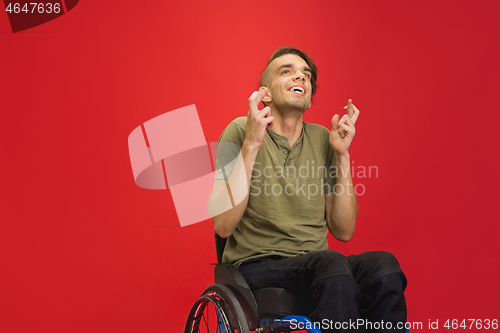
(258, 121)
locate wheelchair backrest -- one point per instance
(220, 244)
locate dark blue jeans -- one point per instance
(366, 289)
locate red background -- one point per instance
(83, 249)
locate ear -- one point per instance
(267, 98)
(310, 104)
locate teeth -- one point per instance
(298, 89)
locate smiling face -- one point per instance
(288, 79)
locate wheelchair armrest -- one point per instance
(230, 276)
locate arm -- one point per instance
(226, 193)
(238, 184)
(341, 204)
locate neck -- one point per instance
(288, 124)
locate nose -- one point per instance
(300, 76)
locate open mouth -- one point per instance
(298, 90)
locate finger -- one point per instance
(335, 121)
(266, 120)
(350, 110)
(343, 120)
(347, 128)
(348, 121)
(270, 123)
(252, 102)
(355, 116)
(255, 99)
(265, 112)
(342, 131)
(341, 125)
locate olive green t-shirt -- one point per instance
(285, 214)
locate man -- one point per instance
(289, 187)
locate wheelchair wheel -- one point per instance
(216, 311)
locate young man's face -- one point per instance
(289, 83)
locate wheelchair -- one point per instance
(229, 306)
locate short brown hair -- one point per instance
(291, 50)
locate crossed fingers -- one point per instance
(346, 126)
(352, 111)
(262, 119)
(255, 99)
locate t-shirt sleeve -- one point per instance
(228, 149)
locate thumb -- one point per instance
(335, 122)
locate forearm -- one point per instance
(342, 205)
(229, 199)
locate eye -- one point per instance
(285, 72)
(307, 75)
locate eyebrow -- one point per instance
(306, 69)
